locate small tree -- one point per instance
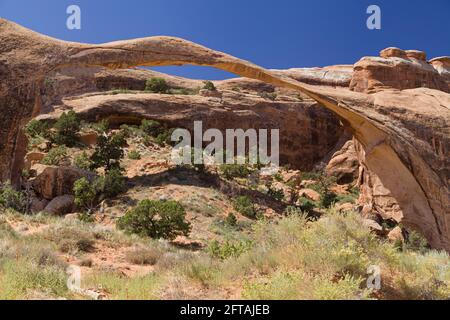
(156, 85)
(55, 156)
(156, 219)
(89, 194)
(36, 128)
(245, 206)
(67, 127)
(108, 151)
(110, 185)
(208, 85)
(151, 127)
(10, 198)
(82, 161)
(85, 194)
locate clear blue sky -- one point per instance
(273, 34)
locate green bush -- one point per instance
(276, 194)
(229, 249)
(67, 127)
(156, 85)
(231, 171)
(82, 161)
(102, 126)
(306, 205)
(151, 127)
(85, 194)
(108, 151)
(55, 156)
(110, 185)
(245, 206)
(208, 85)
(13, 199)
(156, 219)
(134, 155)
(231, 220)
(165, 138)
(36, 128)
(89, 194)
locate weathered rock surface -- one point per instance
(399, 69)
(344, 165)
(307, 131)
(51, 182)
(61, 205)
(405, 135)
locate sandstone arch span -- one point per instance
(409, 154)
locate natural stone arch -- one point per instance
(392, 151)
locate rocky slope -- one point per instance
(404, 135)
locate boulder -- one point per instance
(61, 205)
(88, 138)
(310, 194)
(344, 164)
(37, 205)
(33, 158)
(396, 234)
(51, 181)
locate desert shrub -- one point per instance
(311, 175)
(55, 156)
(125, 288)
(129, 131)
(415, 242)
(101, 126)
(151, 127)
(108, 151)
(85, 194)
(346, 198)
(208, 85)
(110, 185)
(276, 194)
(231, 220)
(134, 155)
(67, 127)
(36, 128)
(165, 138)
(20, 277)
(268, 95)
(82, 161)
(228, 249)
(231, 171)
(236, 89)
(306, 205)
(143, 256)
(156, 219)
(327, 197)
(13, 199)
(71, 237)
(245, 206)
(156, 85)
(89, 194)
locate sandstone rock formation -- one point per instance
(51, 182)
(404, 135)
(344, 165)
